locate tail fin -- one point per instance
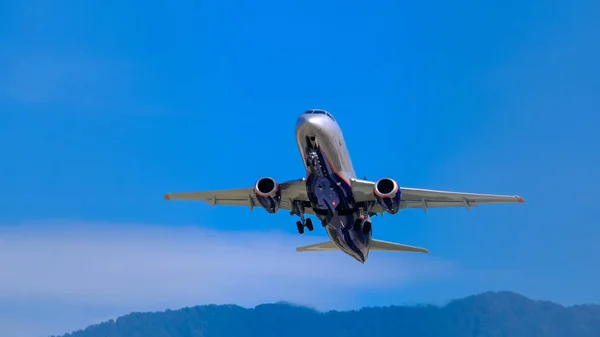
(375, 245)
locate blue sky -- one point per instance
(105, 107)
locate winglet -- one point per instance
(519, 199)
(167, 197)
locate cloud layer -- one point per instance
(142, 267)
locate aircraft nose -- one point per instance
(308, 118)
(302, 120)
(315, 117)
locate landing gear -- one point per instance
(368, 208)
(357, 224)
(312, 158)
(366, 228)
(313, 162)
(362, 225)
(308, 224)
(298, 209)
(300, 227)
(363, 222)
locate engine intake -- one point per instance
(268, 194)
(388, 195)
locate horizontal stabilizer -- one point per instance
(375, 245)
(395, 247)
(318, 247)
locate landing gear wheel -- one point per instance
(366, 227)
(309, 225)
(298, 209)
(357, 224)
(300, 227)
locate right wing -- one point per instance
(294, 190)
(424, 199)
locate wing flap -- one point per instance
(234, 197)
(415, 194)
(234, 194)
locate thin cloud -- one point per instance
(112, 264)
(142, 267)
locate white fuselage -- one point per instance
(329, 172)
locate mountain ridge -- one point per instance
(490, 313)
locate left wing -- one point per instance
(425, 199)
(294, 190)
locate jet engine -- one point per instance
(388, 195)
(268, 194)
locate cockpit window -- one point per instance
(320, 112)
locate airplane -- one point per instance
(331, 192)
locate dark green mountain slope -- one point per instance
(502, 314)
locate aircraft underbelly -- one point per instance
(331, 142)
(329, 170)
(349, 239)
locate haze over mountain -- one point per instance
(490, 314)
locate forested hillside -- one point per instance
(502, 314)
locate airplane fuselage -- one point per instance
(328, 186)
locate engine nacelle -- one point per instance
(268, 194)
(388, 195)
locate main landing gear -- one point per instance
(363, 222)
(363, 225)
(298, 209)
(307, 223)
